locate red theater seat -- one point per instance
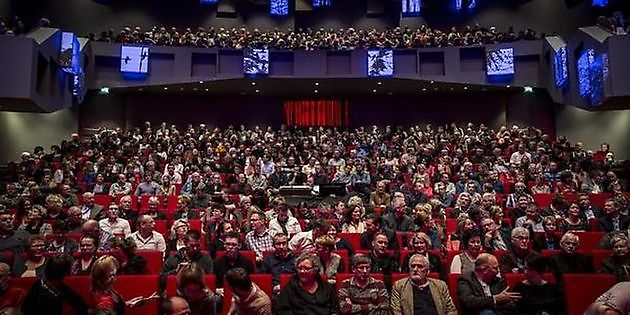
(154, 260)
(543, 200)
(80, 285)
(103, 200)
(345, 258)
(353, 238)
(514, 278)
(580, 290)
(452, 286)
(162, 228)
(589, 240)
(133, 286)
(22, 283)
(598, 200)
(599, 255)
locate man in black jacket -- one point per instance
(48, 295)
(482, 292)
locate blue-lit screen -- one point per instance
(583, 65)
(208, 1)
(256, 61)
(600, 3)
(500, 61)
(560, 70)
(134, 59)
(279, 7)
(410, 7)
(322, 3)
(67, 49)
(596, 74)
(380, 62)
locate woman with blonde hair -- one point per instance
(104, 296)
(183, 210)
(191, 287)
(420, 243)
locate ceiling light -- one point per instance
(253, 83)
(201, 82)
(257, 91)
(432, 81)
(379, 82)
(451, 89)
(165, 88)
(104, 90)
(424, 89)
(316, 91)
(528, 89)
(195, 89)
(465, 88)
(207, 90)
(374, 91)
(507, 86)
(316, 83)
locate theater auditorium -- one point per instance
(314, 157)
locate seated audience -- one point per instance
(613, 220)
(482, 291)
(177, 238)
(105, 297)
(259, 239)
(190, 253)
(129, 263)
(569, 260)
(283, 222)
(538, 295)
(146, 238)
(282, 260)
(550, 239)
(465, 262)
(418, 294)
(82, 266)
(10, 297)
(331, 262)
(307, 292)
(619, 263)
(420, 243)
(514, 260)
(60, 243)
(374, 224)
(232, 259)
(49, 294)
(248, 297)
(34, 261)
(361, 293)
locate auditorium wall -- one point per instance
(84, 16)
(21, 132)
(593, 128)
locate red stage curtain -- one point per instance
(316, 113)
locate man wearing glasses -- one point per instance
(418, 294)
(514, 260)
(232, 259)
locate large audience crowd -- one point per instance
(313, 39)
(90, 207)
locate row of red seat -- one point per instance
(577, 296)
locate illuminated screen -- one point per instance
(380, 62)
(134, 59)
(596, 74)
(256, 61)
(66, 52)
(322, 3)
(583, 65)
(208, 1)
(560, 71)
(279, 7)
(500, 61)
(410, 7)
(600, 3)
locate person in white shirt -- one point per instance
(284, 223)
(146, 237)
(516, 157)
(113, 222)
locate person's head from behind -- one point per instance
(57, 267)
(193, 243)
(238, 279)
(373, 223)
(535, 267)
(486, 267)
(103, 273)
(175, 305)
(190, 283)
(5, 274)
(122, 249)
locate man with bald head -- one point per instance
(175, 306)
(146, 237)
(482, 292)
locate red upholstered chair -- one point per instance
(103, 200)
(543, 200)
(589, 240)
(171, 283)
(22, 283)
(353, 238)
(451, 225)
(249, 254)
(345, 259)
(580, 290)
(449, 258)
(162, 228)
(171, 203)
(598, 200)
(133, 286)
(452, 286)
(144, 202)
(195, 224)
(285, 278)
(154, 260)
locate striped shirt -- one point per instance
(359, 300)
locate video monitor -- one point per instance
(208, 1)
(134, 59)
(322, 3)
(410, 7)
(256, 61)
(69, 45)
(380, 63)
(560, 70)
(279, 8)
(584, 74)
(500, 61)
(596, 75)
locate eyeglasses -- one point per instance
(304, 268)
(521, 238)
(419, 266)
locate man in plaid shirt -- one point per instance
(259, 239)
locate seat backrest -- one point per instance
(264, 281)
(80, 285)
(154, 260)
(598, 200)
(543, 200)
(599, 255)
(452, 287)
(353, 238)
(581, 290)
(589, 240)
(138, 285)
(103, 200)
(22, 283)
(162, 228)
(345, 259)
(513, 278)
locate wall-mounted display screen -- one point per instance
(380, 63)
(256, 61)
(500, 61)
(134, 59)
(560, 69)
